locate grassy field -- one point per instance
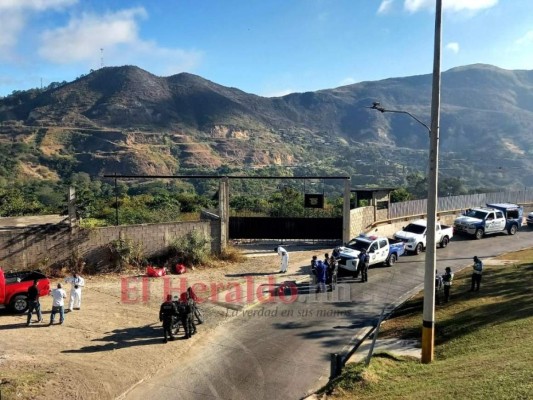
(483, 343)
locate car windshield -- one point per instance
(359, 245)
(413, 228)
(476, 214)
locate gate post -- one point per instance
(346, 212)
(223, 211)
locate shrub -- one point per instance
(125, 252)
(191, 249)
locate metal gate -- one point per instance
(285, 228)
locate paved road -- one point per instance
(287, 354)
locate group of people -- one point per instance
(58, 299)
(175, 312)
(443, 283)
(323, 271)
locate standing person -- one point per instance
(58, 304)
(364, 263)
(33, 303)
(314, 261)
(438, 287)
(167, 312)
(76, 283)
(321, 276)
(447, 279)
(284, 259)
(476, 275)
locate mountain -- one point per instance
(125, 120)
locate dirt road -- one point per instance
(115, 340)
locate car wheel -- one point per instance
(444, 242)
(479, 234)
(418, 249)
(513, 229)
(19, 304)
(392, 260)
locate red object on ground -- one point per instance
(14, 288)
(180, 269)
(155, 272)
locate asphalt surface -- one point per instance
(283, 350)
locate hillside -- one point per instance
(128, 121)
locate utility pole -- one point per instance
(428, 316)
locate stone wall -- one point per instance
(361, 219)
(51, 244)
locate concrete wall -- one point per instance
(51, 244)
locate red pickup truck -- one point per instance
(14, 288)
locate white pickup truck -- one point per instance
(380, 249)
(414, 235)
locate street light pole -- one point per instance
(428, 316)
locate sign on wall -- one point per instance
(314, 200)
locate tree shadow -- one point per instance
(503, 283)
(123, 338)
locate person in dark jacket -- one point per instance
(33, 303)
(313, 268)
(447, 279)
(321, 276)
(364, 263)
(476, 274)
(167, 313)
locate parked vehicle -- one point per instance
(381, 250)
(494, 218)
(414, 235)
(529, 220)
(14, 288)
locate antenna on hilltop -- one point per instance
(101, 58)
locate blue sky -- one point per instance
(266, 47)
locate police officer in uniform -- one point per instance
(476, 275)
(364, 263)
(447, 279)
(167, 313)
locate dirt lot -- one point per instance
(115, 340)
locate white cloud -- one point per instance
(453, 47)
(34, 5)
(347, 81)
(385, 6)
(13, 18)
(79, 40)
(525, 40)
(279, 93)
(117, 33)
(449, 5)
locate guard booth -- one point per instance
(379, 198)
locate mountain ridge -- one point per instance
(186, 122)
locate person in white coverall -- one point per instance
(76, 283)
(284, 259)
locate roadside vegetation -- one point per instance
(483, 343)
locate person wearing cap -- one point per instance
(284, 259)
(364, 263)
(447, 279)
(476, 275)
(167, 313)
